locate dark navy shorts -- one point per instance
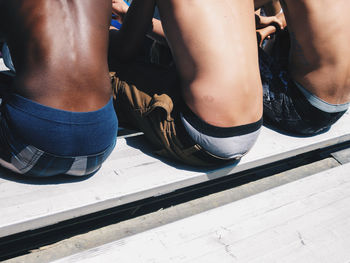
(285, 105)
(40, 141)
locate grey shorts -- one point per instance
(227, 143)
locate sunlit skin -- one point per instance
(268, 25)
(214, 48)
(59, 49)
(320, 54)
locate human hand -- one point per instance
(265, 33)
(119, 9)
(265, 21)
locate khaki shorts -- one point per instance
(157, 115)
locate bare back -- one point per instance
(59, 48)
(320, 54)
(214, 47)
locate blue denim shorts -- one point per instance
(287, 107)
(20, 156)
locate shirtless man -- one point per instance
(209, 110)
(307, 80)
(57, 117)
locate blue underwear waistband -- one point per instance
(60, 132)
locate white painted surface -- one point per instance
(131, 173)
(303, 221)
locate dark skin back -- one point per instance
(59, 49)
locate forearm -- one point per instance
(125, 43)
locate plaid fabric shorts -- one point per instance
(28, 160)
